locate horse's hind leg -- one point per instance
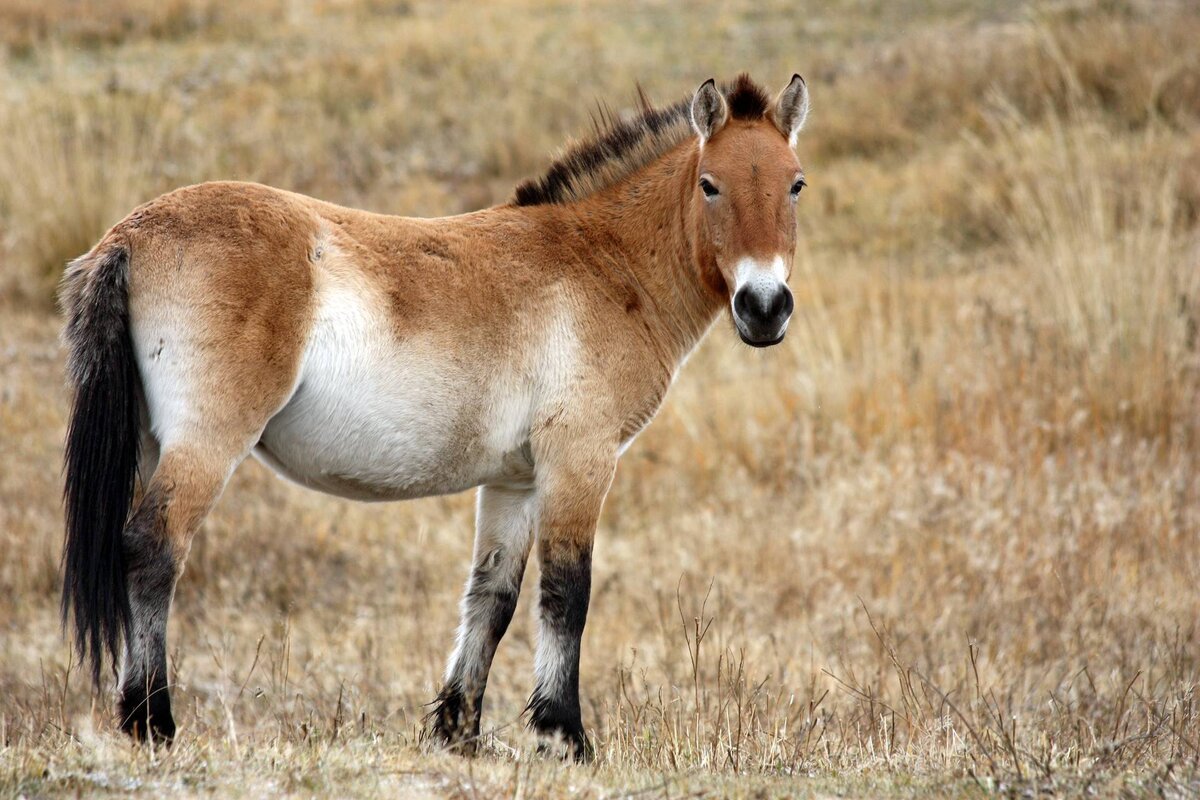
(186, 483)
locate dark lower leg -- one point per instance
(144, 709)
(487, 610)
(563, 605)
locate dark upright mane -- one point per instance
(621, 146)
(747, 100)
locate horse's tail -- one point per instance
(101, 452)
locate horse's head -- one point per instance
(745, 198)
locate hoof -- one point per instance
(147, 718)
(573, 746)
(453, 723)
(561, 728)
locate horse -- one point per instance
(518, 350)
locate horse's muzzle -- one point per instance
(761, 316)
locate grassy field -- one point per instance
(943, 541)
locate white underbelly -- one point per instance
(373, 418)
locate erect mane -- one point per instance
(621, 146)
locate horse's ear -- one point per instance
(791, 109)
(709, 110)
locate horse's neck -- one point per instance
(647, 237)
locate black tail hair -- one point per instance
(101, 453)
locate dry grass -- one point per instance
(945, 540)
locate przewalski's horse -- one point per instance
(519, 349)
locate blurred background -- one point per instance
(946, 535)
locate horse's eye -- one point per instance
(797, 186)
(707, 187)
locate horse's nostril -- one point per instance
(741, 303)
(783, 303)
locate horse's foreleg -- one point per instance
(156, 543)
(569, 507)
(504, 529)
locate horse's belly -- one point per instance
(375, 419)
